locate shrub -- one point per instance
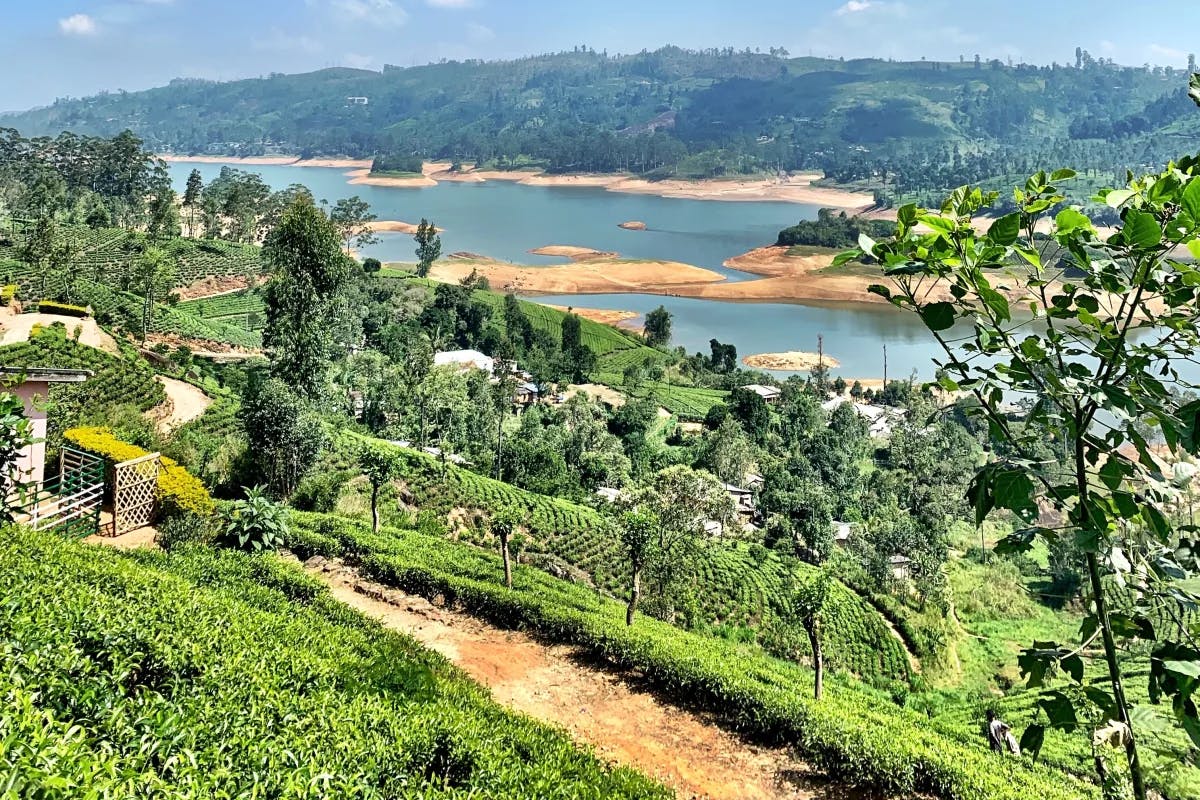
(319, 492)
(178, 490)
(65, 309)
(8, 294)
(205, 673)
(184, 529)
(254, 523)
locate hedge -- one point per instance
(201, 674)
(65, 309)
(178, 489)
(855, 735)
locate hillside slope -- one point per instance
(670, 112)
(209, 674)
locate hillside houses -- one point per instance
(880, 419)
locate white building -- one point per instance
(771, 394)
(880, 419)
(465, 360)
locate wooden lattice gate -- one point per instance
(135, 492)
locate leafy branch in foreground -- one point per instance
(1095, 333)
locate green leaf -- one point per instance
(1060, 710)
(1064, 174)
(1194, 248)
(1194, 88)
(1142, 230)
(880, 290)
(866, 243)
(1032, 740)
(1069, 219)
(1005, 230)
(1073, 666)
(1118, 197)
(1189, 668)
(1191, 199)
(846, 257)
(938, 316)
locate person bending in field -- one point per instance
(1000, 735)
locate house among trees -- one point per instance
(357, 101)
(743, 499)
(33, 389)
(900, 566)
(841, 533)
(465, 360)
(771, 394)
(526, 394)
(880, 419)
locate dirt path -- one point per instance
(184, 403)
(18, 327)
(554, 683)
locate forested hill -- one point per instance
(674, 112)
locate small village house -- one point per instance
(465, 360)
(773, 395)
(32, 385)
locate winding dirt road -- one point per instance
(557, 684)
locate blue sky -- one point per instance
(57, 48)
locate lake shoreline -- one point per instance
(798, 188)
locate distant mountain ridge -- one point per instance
(666, 113)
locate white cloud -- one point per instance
(77, 25)
(375, 12)
(280, 41)
(358, 61)
(479, 33)
(854, 7)
(451, 3)
(1176, 57)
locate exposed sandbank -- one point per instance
(572, 252)
(593, 276)
(791, 361)
(633, 225)
(791, 189)
(607, 316)
(395, 226)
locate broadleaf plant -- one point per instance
(1093, 333)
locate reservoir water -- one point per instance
(506, 220)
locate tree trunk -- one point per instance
(1102, 618)
(634, 594)
(507, 561)
(375, 508)
(814, 639)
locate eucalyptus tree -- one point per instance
(380, 465)
(429, 246)
(1096, 329)
(154, 274)
(352, 217)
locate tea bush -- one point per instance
(203, 674)
(856, 735)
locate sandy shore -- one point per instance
(791, 189)
(395, 226)
(593, 276)
(790, 361)
(276, 161)
(572, 252)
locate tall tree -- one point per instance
(1117, 314)
(154, 274)
(191, 198)
(380, 465)
(429, 247)
(352, 217)
(304, 298)
(658, 327)
(637, 536)
(504, 524)
(285, 434)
